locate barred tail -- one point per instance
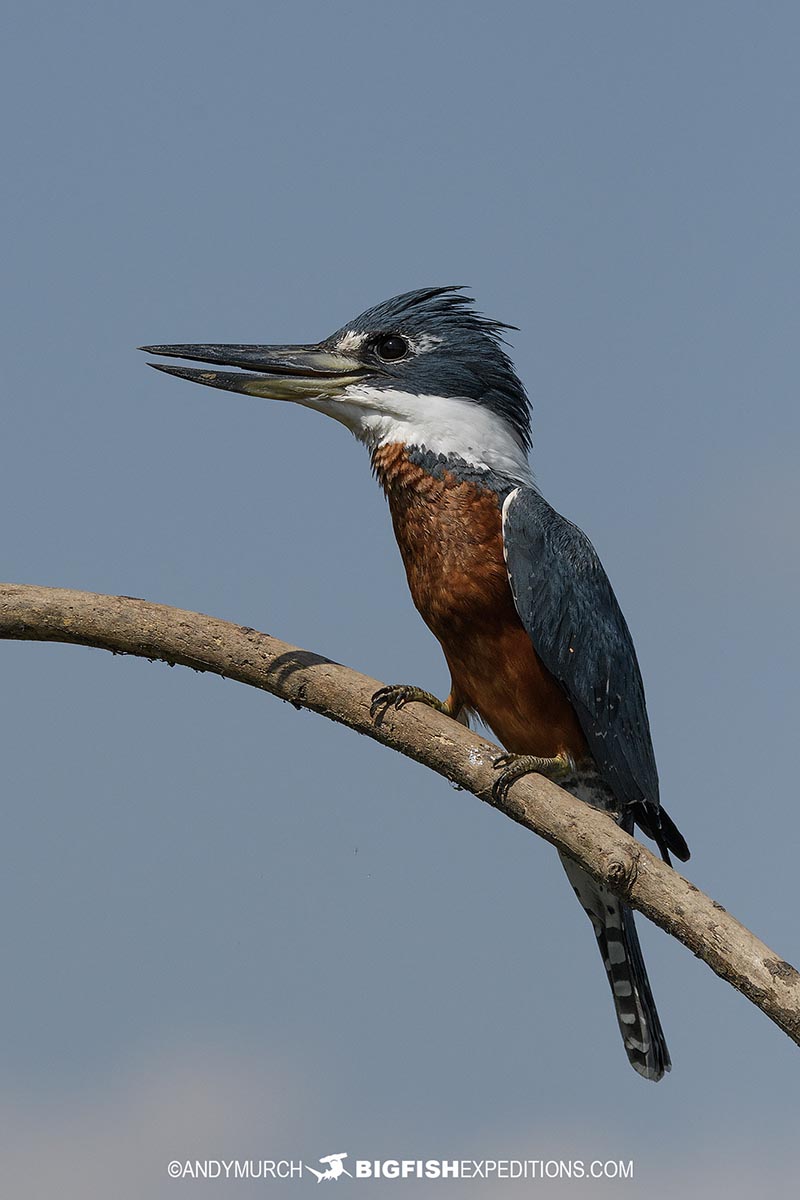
(618, 940)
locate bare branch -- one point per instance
(125, 625)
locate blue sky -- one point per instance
(232, 928)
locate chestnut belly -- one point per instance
(497, 672)
(449, 530)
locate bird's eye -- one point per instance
(391, 348)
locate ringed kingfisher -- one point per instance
(530, 627)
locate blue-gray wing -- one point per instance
(569, 610)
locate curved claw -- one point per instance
(515, 766)
(501, 786)
(397, 696)
(384, 699)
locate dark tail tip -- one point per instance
(673, 838)
(659, 826)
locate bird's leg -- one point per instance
(514, 766)
(398, 695)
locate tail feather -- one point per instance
(613, 925)
(659, 826)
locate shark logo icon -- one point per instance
(334, 1170)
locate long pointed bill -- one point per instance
(283, 372)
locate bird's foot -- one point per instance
(397, 696)
(514, 766)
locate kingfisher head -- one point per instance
(423, 369)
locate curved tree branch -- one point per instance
(125, 625)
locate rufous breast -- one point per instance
(449, 531)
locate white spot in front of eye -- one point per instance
(351, 341)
